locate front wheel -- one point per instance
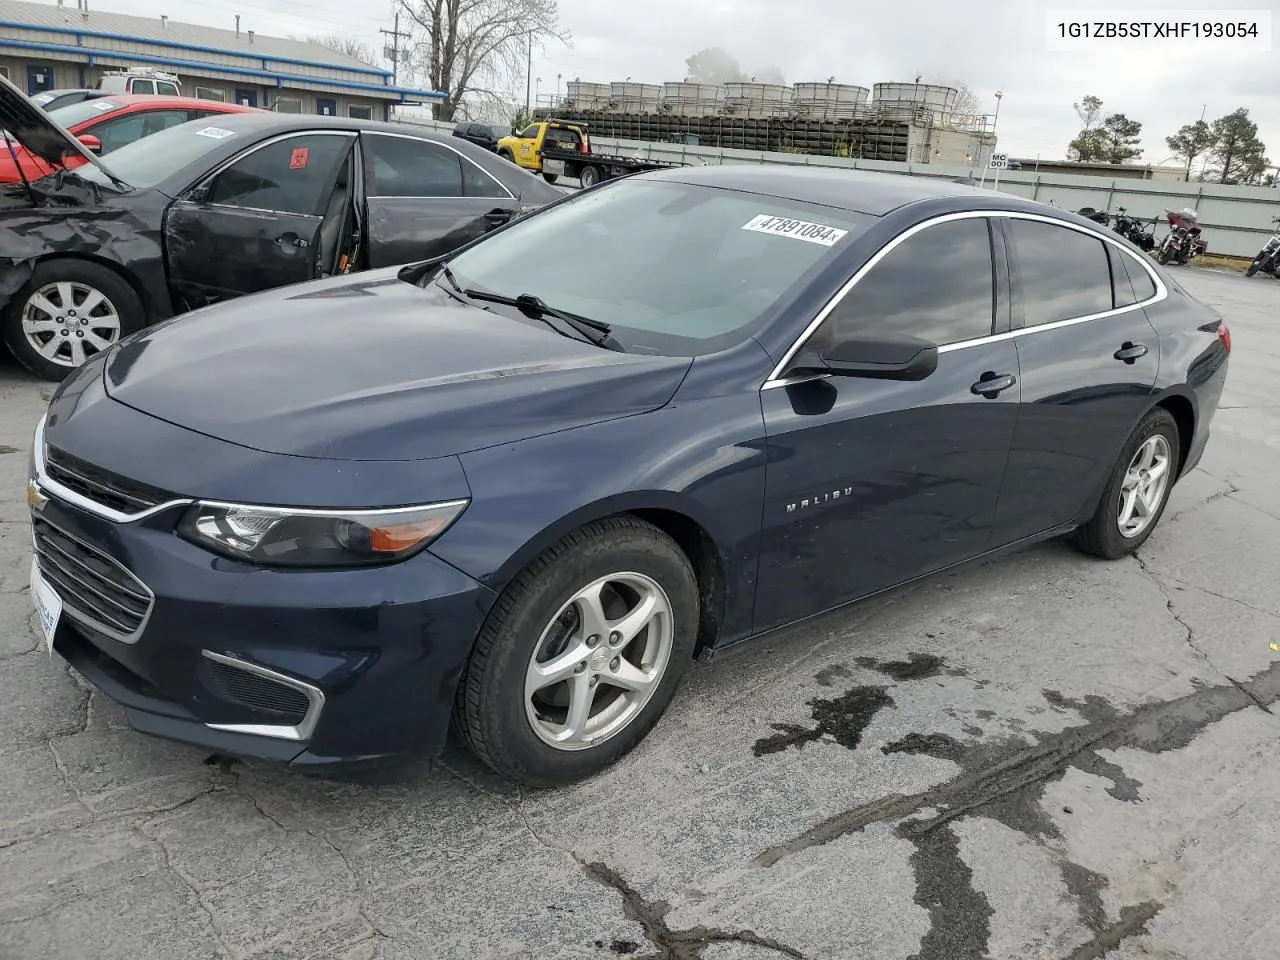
(581, 654)
(1255, 266)
(68, 312)
(1138, 490)
(1165, 255)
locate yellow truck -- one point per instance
(562, 148)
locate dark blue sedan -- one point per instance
(524, 489)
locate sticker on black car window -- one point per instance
(214, 133)
(795, 229)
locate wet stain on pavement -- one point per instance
(842, 719)
(1133, 922)
(937, 745)
(917, 666)
(828, 676)
(1085, 887)
(673, 944)
(621, 947)
(960, 916)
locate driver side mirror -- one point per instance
(878, 356)
(91, 143)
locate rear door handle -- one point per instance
(1131, 352)
(497, 218)
(992, 384)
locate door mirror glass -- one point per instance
(881, 356)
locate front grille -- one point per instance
(101, 486)
(94, 588)
(286, 704)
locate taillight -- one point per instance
(1224, 336)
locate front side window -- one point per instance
(529, 132)
(117, 132)
(674, 269)
(1065, 273)
(938, 284)
(289, 176)
(400, 167)
(166, 89)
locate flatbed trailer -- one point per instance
(592, 168)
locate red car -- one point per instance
(108, 123)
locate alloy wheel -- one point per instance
(599, 661)
(67, 322)
(1145, 482)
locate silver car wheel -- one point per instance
(1145, 484)
(67, 322)
(599, 661)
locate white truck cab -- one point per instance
(141, 80)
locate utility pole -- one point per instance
(528, 78)
(395, 35)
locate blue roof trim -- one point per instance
(79, 33)
(199, 69)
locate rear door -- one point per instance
(254, 223)
(425, 199)
(1088, 358)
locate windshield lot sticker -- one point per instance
(214, 133)
(298, 159)
(796, 229)
(105, 105)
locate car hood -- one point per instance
(373, 368)
(34, 129)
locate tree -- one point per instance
(474, 48)
(348, 46)
(1237, 153)
(1120, 137)
(1191, 141)
(714, 65)
(1088, 110)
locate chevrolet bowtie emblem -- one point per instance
(35, 499)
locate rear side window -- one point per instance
(938, 284)
(477, 183)
(143, 86)
(1140, 287)
(400, 167)
(1065, 273)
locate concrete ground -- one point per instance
(1045, 758)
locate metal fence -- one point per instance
(1236, 220)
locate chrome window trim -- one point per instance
(775, 378)
(280, 731)
(439, 143)
(46, 484)
(106, 631)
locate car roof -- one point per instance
(858, 191)
(267, 121)
(164, 102)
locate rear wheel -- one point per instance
(1138, 490)
(581, 654)
(589, 177)
(68, 312)
(550, 177)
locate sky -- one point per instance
(989, 45)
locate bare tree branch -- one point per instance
(347, 45)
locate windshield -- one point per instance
(673, 269)
(75, 113)
(149, 160)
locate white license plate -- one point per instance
(553, 166)
(47, 603)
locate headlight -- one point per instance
(285, 537)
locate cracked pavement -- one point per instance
(1046, 757)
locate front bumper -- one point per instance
(303, 666)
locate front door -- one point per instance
(256, 224)
(1085, 382)
(247, 98)
(425, 199)
(874, 482)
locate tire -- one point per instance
(589, 176)
(1102, 536)
(118, 313)
(1164, 256)
(507, 155)
(1253, 267)
(509, 730)
(550, 177)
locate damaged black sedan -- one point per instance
(214, 209)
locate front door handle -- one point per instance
(1130, 352)
(992, 384)
(291, 240)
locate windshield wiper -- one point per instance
(537, 309)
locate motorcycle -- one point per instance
(1268, 258)
(1132, 230)
(1184, 243)
(1097, 216)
